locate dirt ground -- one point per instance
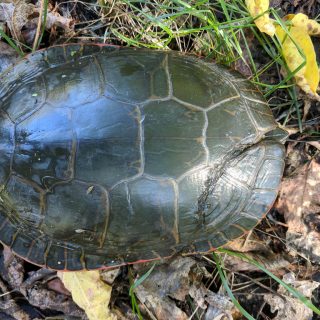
(286, 242)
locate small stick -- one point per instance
(36, 39)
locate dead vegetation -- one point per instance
(286, 242)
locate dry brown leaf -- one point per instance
(176, 281)
(161, 307)
(163, 284)
(16, 15)
(217, 306)
(42, 298)
(109, 275)
(22, 20)
(315, 144)
(14, 268)
(57, 286)
(89, 292)
(288, 307)
(306, 108)
(54, 19)
(271, 261)
(257, 250)
(8, 56)
(299, 202)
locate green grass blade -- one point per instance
(289, 288)
(142, 278)
(11, 43)
(134, 304)
(228, 289)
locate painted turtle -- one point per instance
(112, 155)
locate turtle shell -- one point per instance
(111, 155)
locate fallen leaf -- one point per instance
(299, 202)
(288, 307)
(8, 56)
(216, 306)
(14, 268)
(174, 282)
(41, 297)
(297, 49)
(22, 17)
(254, 249)
(16, 16)
(57, 286)
(315, 144)
(269, 260)
(166, 283)
(109, 275)
(263, 22)
(300, 20)
(89, 292)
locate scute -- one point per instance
(148, 203)
(33, 95)
(129, 76)
(88, 211)
(79, 81)
(229, 126)
(108, 135)
(177, 147)
(43, 150)
(198, 84)
(113, 155)
(26, 200)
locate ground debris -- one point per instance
(12, 269)
(8, 55)
(175, 290)
(167, 282)
(256, 250)
(8, 306)
(27, 294)
(39, 296)
(21, 18)
(271, 261)
(299, 202)
(109, 276)
(216, 306)
(165, 292)
(288, 307)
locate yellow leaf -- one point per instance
(89, 292)
(263, 23)
(307, 77)
(312, 27)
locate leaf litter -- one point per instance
(286, 306)
(183, 288)
(299, 202)
(169, 285)
(21, 18)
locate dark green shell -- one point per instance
(111, 155)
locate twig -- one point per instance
(36, 39)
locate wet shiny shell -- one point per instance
(111, 156)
